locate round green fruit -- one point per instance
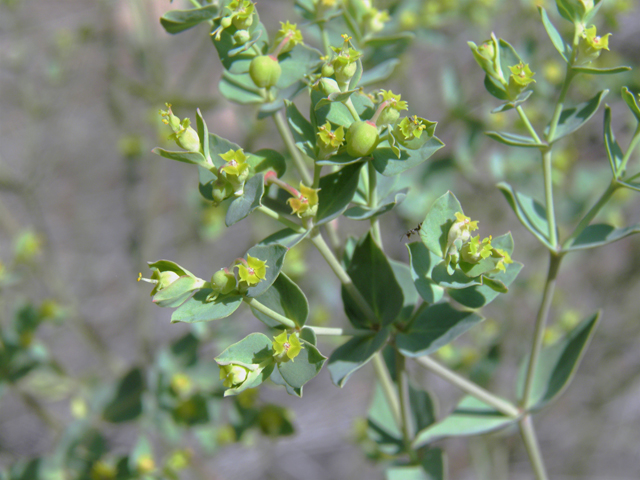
(265, 71)
(362, 138)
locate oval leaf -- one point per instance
(435, 227)
(274, 256)
(336, 192)
(198, 309)
(571, 119)
(354, 354)
(286, 298)
(241, 207)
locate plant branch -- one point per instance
(547, 170)
(467, 386)
(330, 331)
(372, 201)
(541, 322)
(298, 161)
(287, 322)
(632, 146)
(527, 123)
(282, 219)
(403, 397)
(388, 388)
(533, 449)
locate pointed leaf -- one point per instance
(511, 105)
(176, 21)
(373, 276)
(239, 88)
(614, 152)
(203, 134)
(471, 417)
(296, 64)
(422, 263)
(558, 364)
(480, 295)
(303, 368)
(126, 403)
(194, 158)
(242, 206)
(380, 72)
(402, 273)
(387, 162)
(632, 101)
(285, 298)
(266, 159)
(435, 227)
(286, 237)
(433, 328)
(571, 119)
(530, 213)
(563, 49)
(336, 192)
(495, 88)
(176, 293)
(274, 256)
(353, 355)
(601, 71)
(441, 276)
(198, 309)
(600, 234)
(514, 140)
(249, 352)
(301, 129)
(362, 212)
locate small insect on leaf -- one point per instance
(411, 231)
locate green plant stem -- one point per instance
(469, 387)
(325, 39)
(282, 219)
(547, 169)
(195, 3)
(591, 214)
(527, 123)
(349, 332)
(342, 275)
(541, 322)
(372, 201)
(388, 388)
(533, 449)
(403, 398)
(632, 146)
(291, 146)
(34, 405)
(349, 104)
(332, 230)
(287, 322)
(317, 171)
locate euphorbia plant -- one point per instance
(353, 137)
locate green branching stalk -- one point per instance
(348, 332)
(372, 201)
(403, 398)
(287, 322)
(591, 214)
(547, 171)
(349, 104)
(287, 138)
(388, 388)
(632, 146)
(469, 387)
(282, 219)
(527, 124)
(541, 322)
(533, 449)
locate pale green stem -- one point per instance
(332, 230)
(344, 278)
(547, 169)
(287, 322)
(325, 39)
(527, 123)
(591, 214)
(298, 161)
(403, 399)
(373, 202)
(634, 143)
(317, 171)
(282, 219)
(349, 332)
(467, 386)
(541, 322)
(349, 104)
(387, 387)
(533, 449)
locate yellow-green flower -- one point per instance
(476, 250)
(591, 45)
(375, 19)
(233, 375)
(184, 135)
(236, 162)
(253, 272)
(306, 204)
(461, 229)
(412, 127)
(504, 261)
(521, 76)
(287, 346)
(329, 141)
(290, 32)
(393, 100)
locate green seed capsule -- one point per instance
(265, 71)
(362, 138)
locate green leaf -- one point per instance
(567, 10)
(380, 72)
(402, 273)
(233, 59)
(353, 355)
(558, 363)
(458, 279)
(274, 256)
(387, 162)
(266, 159)
(309, 335)
(303, 368)
(422, 263)
(219, 146)
(353, 83)
(278, 380)
(362, 212)
(563, 48)
(126, 403)
(206, 182)
(373, 276)
(296, 63)
(286, 298)
(601, 71)
(433, 328)
(340, 159)
(600, 234)
(239, 88)
(614, 152)
(336, 192)
(632, 101)
(286, 237)
(435, 227)
(433, 466)
(495, 88)
(249, 352)
(301, 129)
(530, 213)
(241, 207)
(176, 21)
(203, 134)
(480, 295)
(195, 158)
(176, 293)
(334, 112)
(287, 94)
(631, 185)
(513, 104)
(514, 140)
(198, 309)
(571, 119)
(471, 417)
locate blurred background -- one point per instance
(93, 374)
